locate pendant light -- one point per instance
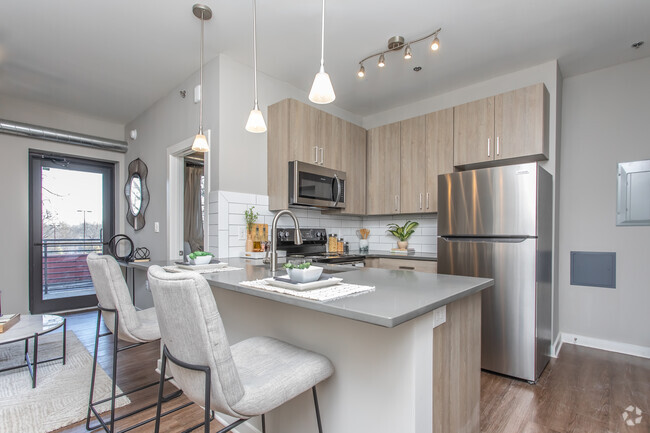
(322, 91)
(200, 143)
(255, 122)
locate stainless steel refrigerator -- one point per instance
(497, 223)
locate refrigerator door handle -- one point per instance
(508, 240)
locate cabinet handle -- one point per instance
(407, 268)
(322, 158)
(420, 201)
(396, 203)
(315, 154)
(488, 147)
(497, 146)
(427, 200)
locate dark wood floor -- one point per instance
(583, 391)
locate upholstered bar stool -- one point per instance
(245, 380)
(126, 324)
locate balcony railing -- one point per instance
(64, 264)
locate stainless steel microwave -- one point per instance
(316, 186)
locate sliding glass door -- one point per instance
(71, 214)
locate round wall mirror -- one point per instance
(137, 193)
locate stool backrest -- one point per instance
(192, 330)
(113, 293)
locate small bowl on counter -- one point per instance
(308, 275)
(200, 260)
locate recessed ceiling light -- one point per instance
(417, 68)
(637, 45)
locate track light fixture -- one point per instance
(407, 53)
(396, 43)
(382, 61)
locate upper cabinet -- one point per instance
(439, 153)
(298, 131)
(509, 126)
(423, 146)
(383, 185)
(413, 167)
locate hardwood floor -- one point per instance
(583, 391)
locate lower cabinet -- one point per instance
(402, 264)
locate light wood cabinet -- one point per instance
(474, 132)
(521, 123)
(413, 167)
(383, 170)
(402, 264)
(353, 163)
(298, 131)
(439, 153)
(510, 126)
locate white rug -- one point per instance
(61, 394)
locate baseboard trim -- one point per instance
(610, 346)
(557, 346)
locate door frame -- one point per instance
(36, 303)
(175, 195)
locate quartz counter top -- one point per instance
(399, 295)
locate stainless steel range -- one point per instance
(314, 248)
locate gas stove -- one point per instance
(313, 248)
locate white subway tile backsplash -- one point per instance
(227, 209)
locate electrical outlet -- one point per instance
(439, 316)
(242, 233)
(146, 286)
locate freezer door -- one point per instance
(509, 341)
(498, 201)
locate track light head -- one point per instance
(407, 53)
(382, 62)
(362, 72)
(435, 44)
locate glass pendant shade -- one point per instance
(256, 122)
(200, 143)
(322, 91)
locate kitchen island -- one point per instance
(393, 370)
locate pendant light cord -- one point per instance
(201, 80)
(255, 49)
(322, 39)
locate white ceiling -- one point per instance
(114, 58)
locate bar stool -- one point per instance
(248, 379)
(124, 323)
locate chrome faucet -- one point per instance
(297, 239)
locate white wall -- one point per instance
(550, 75)
(14, 196)
(605, 118)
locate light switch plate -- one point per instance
(242, 233)
(439, 316)
(156, 227)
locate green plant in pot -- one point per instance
(250, 217)
(402, 233)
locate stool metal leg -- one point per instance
(320, 427)
(263, 424)
(92, 377)
(35, 359)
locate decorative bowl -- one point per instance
(200, 260)
(308, 275)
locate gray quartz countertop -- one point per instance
(399, 295)
(413, 256)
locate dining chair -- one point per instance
(125, 323)
(245, 380)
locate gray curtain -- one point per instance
(193, 233)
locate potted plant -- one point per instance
(250, 217)
(402, 233)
